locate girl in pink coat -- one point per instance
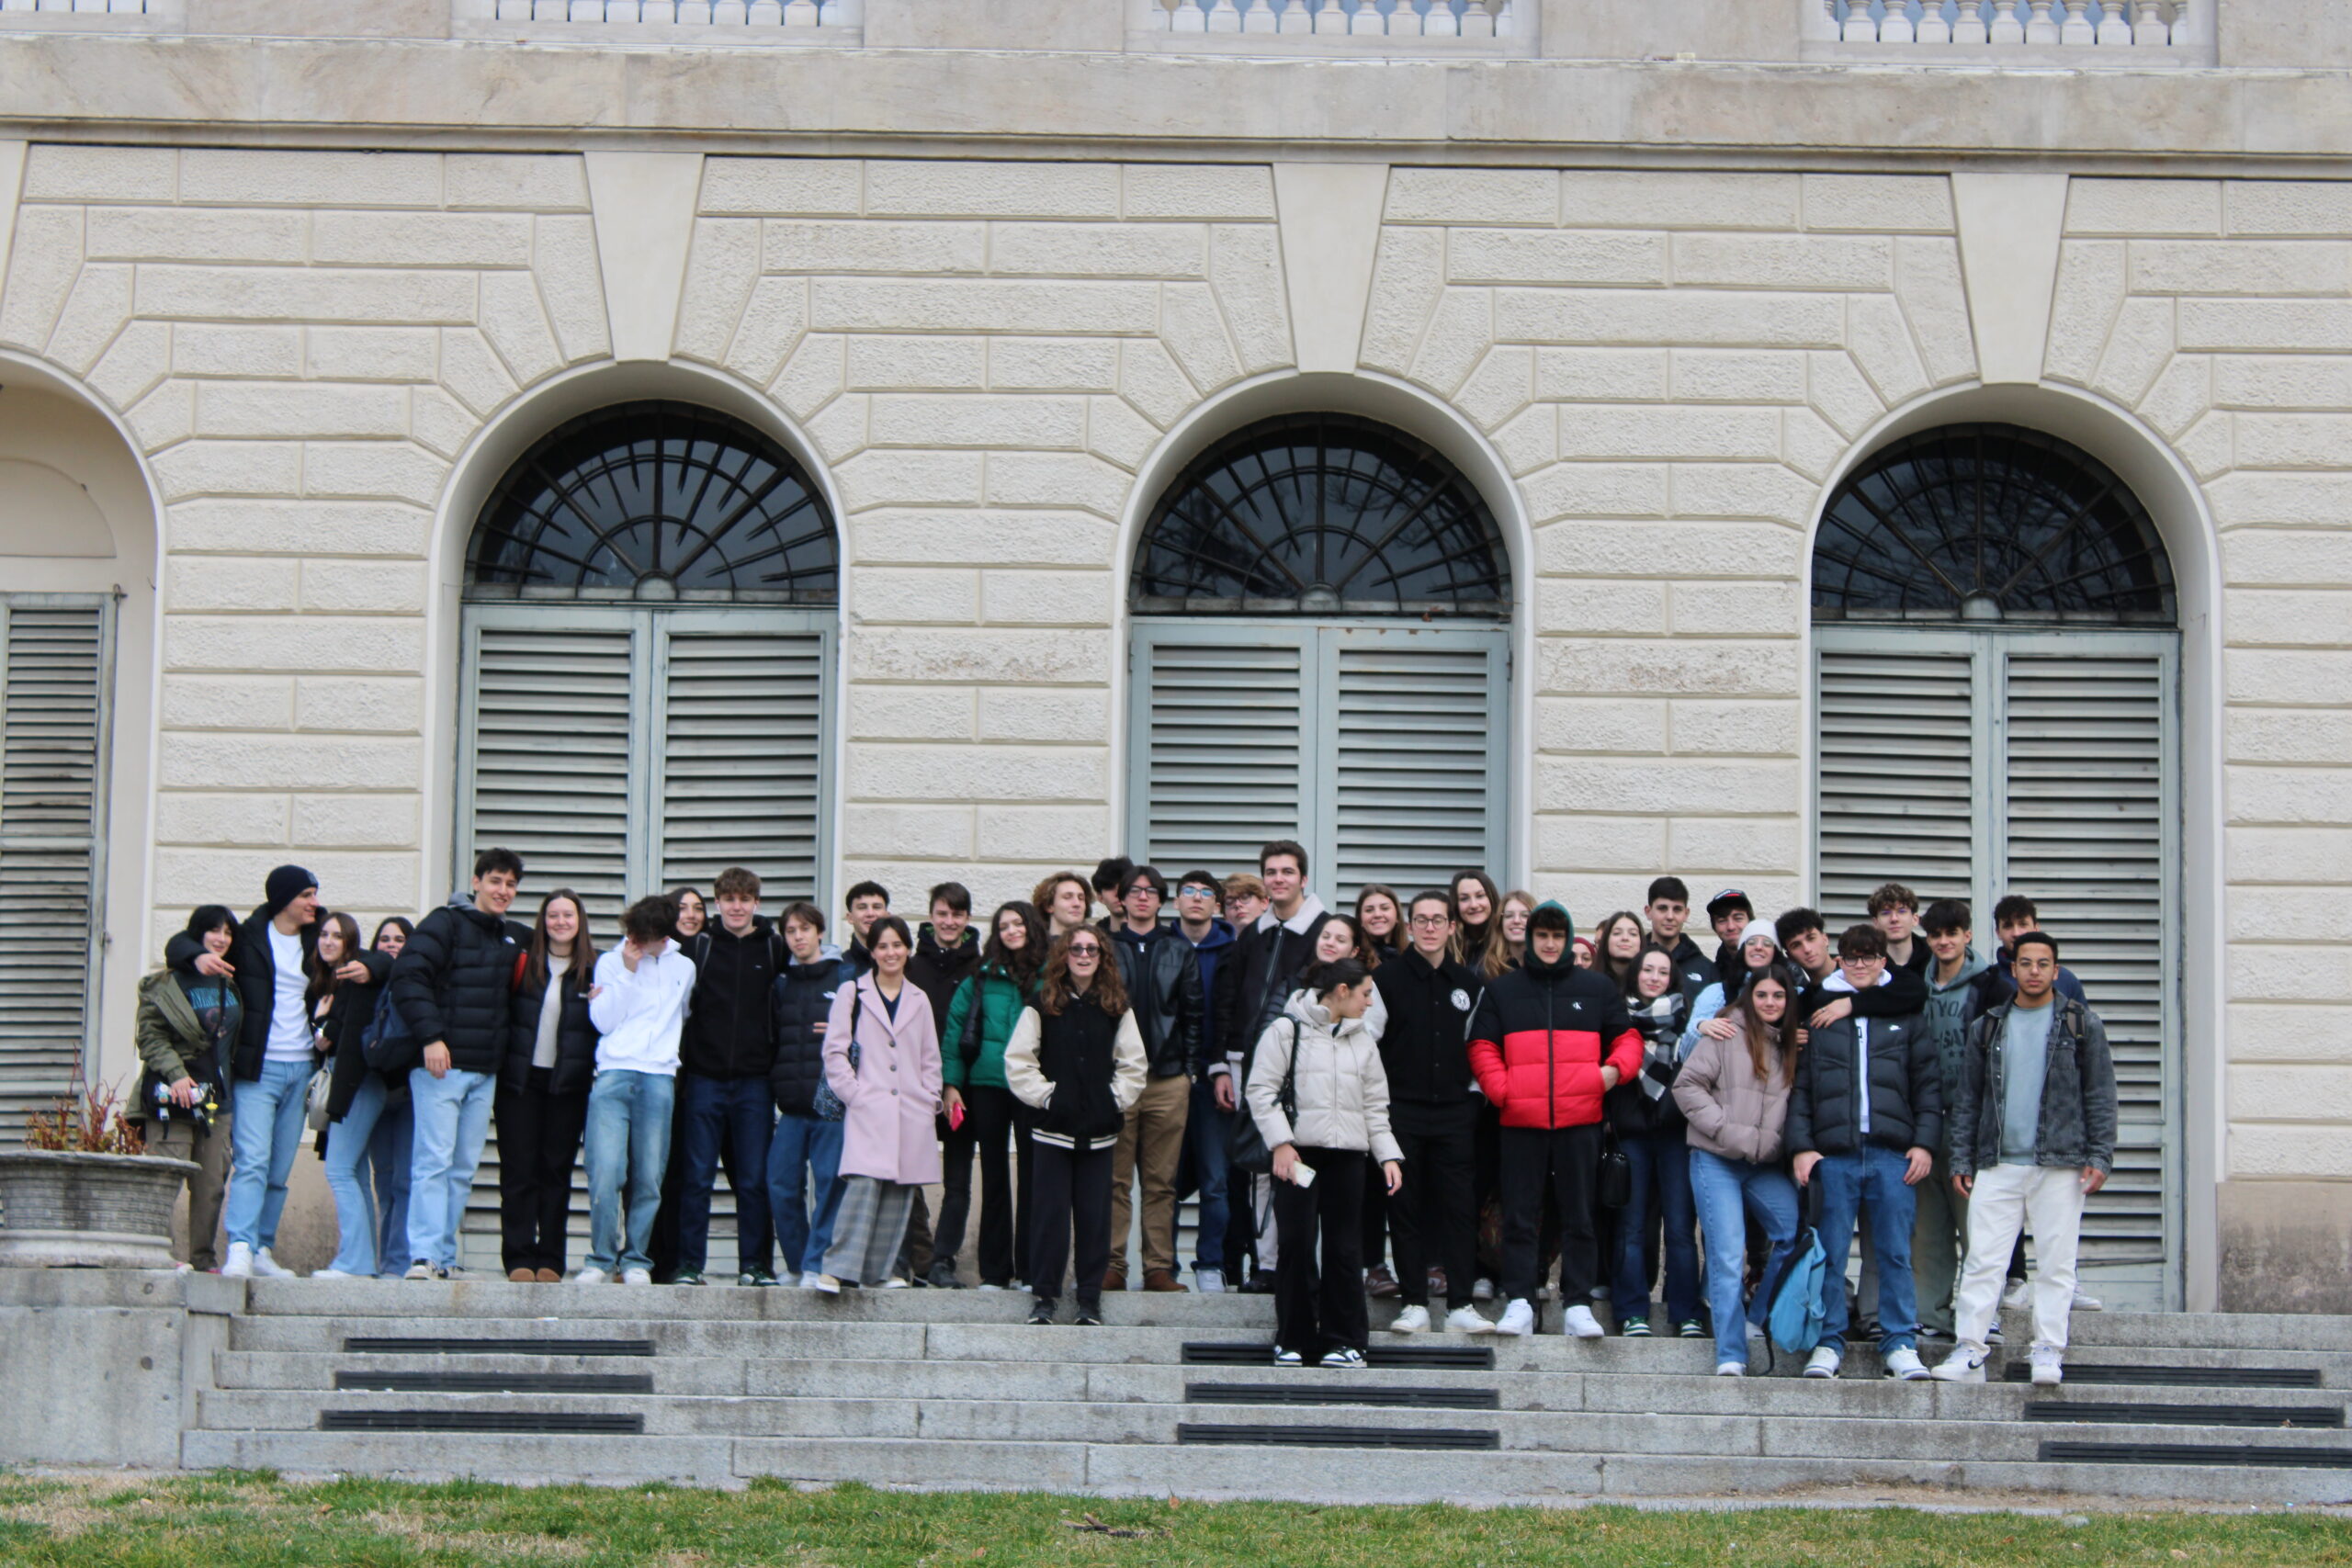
(891, 1088)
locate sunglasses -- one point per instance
(1085, 949)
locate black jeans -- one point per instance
(1375, 1216)
(1564, 1160)
(988, 1129)
(955, 1188)
(729, 1122)
(1073, 1201)
(1436, 1214)
(1316, 1311)
(538, 1142)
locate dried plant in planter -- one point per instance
(89, 1123)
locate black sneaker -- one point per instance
(1042, 1315)
(942, 1278)
(1634, 1328)
(1088, 1317)
(1693, 1329)
(1345, 1357)
(756, 1279)
(1288, 1358)
(686, 1276)
(1259, 1284)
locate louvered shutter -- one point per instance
(740, 759)
(1415, 761)
(1220, 748)
(2090, 839)
(54, 718)
(546, 770)
(1897, 777)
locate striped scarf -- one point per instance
(1660, 1021)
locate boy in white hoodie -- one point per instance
(639, 1006)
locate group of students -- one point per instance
(1448, 1073)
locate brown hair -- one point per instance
(1622, 978)
(1769, 1043)
(736, 879)
(1043, 894)
(1362, 948)
(323, 978)
(1492, 954)
(583, 946)
(1109, 992)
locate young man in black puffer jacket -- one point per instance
(725, 1113)
(1864, 1116)
(805, 1153)
(454, 985)
(947, 950)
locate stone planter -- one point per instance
(76, 1211)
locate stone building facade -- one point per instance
(282, 313)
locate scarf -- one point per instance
(1660, 1021)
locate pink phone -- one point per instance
(956, 1117)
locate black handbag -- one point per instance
(1613, 1187)
(1248, 1153)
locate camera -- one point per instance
(206, 1107)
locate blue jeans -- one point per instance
(746, 1110)
(1660, 1162)
(1209, 1130)
(804, 1189)
(351, 1178)
(1871, 1180)
(388, 1160)
(1725, 1191)
(266, 1135)
(628, 1148)
(452, 1121)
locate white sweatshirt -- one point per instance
(640, 1018)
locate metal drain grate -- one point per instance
(365, 1345)
(1339, 1436)
(1342, 1393)
(540, 1422)
(1439, 1358)
(2235, 1455)
(2180, 1377)
(497, 1382)
(2188, 1414)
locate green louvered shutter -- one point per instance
(54, 711)
(1415, 764)
(742, 769)
(1220, 744)
(1897, 782)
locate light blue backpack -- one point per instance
(1793, 1317)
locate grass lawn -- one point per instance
(232, 1520)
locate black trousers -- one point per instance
(1563, 1161)
(956, 1146)
(1024, 1179)
(538, 1142)
(1436, 1215)
(1375, 1215)
(1316, 1311)
(988, 1130)
(1073, 1202)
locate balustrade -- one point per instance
(2060, 24)
(1382, 18)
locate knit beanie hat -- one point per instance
(286, 883)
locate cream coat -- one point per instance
(1340, 1087)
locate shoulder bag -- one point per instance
(1250, 1152)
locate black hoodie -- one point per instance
(937, 970)
(257, 982)
(1425, 1048)
(731, 1032)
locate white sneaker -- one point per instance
(2087, 1303)
(1580, 1321)
(983, 1288)
(1482, 1289)
(1466, 1320)
(239, 1265)
(268, 1267)
(1960, 1367)
(1904, 1364)
(1412, 1320)
(2018, 1296)
(1518, 1317)
(1209, 1281)
(591, 1277)
(421, 1270)
(894, 1284)
(1755, 1332)
(1730, 1369)
(808, 1278)
(331, 1274)
(637, 1276)
(2049, 1369)
(1825, 1363)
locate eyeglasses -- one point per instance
(1432, 922)
(1086, 950)
(1194, 890)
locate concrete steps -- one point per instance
(1176, 1394)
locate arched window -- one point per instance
(1997, 685)
(648, 645)
(1320, 653)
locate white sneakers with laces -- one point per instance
(1960, 1367)
(1466, 1320)
(637, 1276)
(239, 1264)
(1518, 1317)
(1209, 1281)
(1411, 1320)
(268, 1267)
(1730, 1369)
(2049, 1368)
(1578, 1320)
(591, 1277)
(1904, 1364)
(1825, 1361)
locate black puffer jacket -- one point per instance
(1692, 972)
(575, 1037)
(455, 982)
(347, 1019)
(1425, 1048)
(1904, 1077)
(1163, 981)
(1255, 980)
(800, 1001)
(256, 970)
(937, 970)
(730, 1030)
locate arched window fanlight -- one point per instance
(1989, 522)
(1321, 515)
(656, 501)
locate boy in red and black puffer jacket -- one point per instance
(1549, 1040)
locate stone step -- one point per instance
(1158, 1470)
(1655, 1392)
(1915, 1434)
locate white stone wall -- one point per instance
(983, 357)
